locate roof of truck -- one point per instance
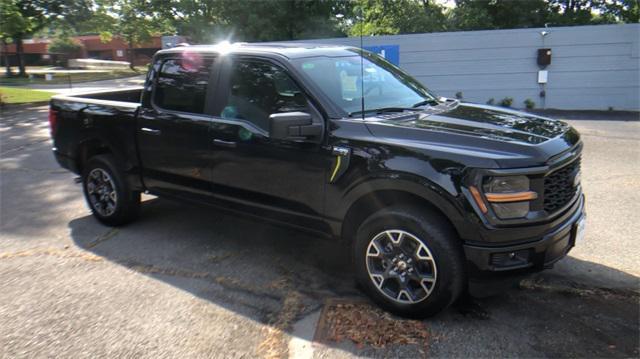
(287, 49)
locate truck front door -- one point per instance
(278, 178)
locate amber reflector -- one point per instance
(478, 198)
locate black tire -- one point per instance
(443, 248)
(126, 205)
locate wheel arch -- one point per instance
(368, 203)
(90, 148)
(95, 146)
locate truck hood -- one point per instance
(484, 121)
(510, 138)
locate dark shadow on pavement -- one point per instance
(251, 267)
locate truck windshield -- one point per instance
(384, 85)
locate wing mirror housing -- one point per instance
(293, 126)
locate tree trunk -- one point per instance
(131, 54)
(5, 55)
(20, 52)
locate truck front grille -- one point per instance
(559, 186)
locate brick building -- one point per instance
(36, 51)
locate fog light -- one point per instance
(519, 258)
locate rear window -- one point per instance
(182, 84)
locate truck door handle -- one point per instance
(150, 131)
(224, 143)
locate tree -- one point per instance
(66, 47)
(11, 23)
(390, 17)
(626, 11)
(21, 18)
(134, 21)
(208, 21)
(271, 20)
(575, 12)
(200, 21)
(499, 14)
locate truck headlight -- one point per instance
(509, 196)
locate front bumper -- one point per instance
(533, 255)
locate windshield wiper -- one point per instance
(383, 110)
(425, 102)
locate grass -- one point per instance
(65, 78)
(21, 95)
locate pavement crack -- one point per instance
(55, 252)
(103, 238)
(226, 282)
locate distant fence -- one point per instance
(592, 67)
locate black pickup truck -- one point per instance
(432, 195)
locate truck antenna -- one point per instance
(361, 63)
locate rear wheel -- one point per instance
(107, 193)
(408, 260)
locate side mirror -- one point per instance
(294, 126)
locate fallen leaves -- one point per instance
(364, 324)
(274, 344)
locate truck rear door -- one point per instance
(173, 125)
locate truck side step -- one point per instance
(77, 180)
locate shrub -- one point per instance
(491, 101)
(65, 46)
(506, 102)
(459, 95)
(529, 104)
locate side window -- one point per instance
(258, 89)
(182, 85)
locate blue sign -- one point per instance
(389, 52)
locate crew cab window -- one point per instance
(182, 84)
(258, 89)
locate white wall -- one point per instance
(592, 67)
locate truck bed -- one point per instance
(104, 117)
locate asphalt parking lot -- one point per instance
(187, 281)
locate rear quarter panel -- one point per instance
(85, 123)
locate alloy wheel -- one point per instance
(401, 266)
(102, 192)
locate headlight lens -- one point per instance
(507, 184)
(509, 196)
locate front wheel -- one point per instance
(107, 192)
(409, 261)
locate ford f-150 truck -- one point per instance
(432, 195)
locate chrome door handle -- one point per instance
(224, 143)
(150, 131)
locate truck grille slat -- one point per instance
(559, 188)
